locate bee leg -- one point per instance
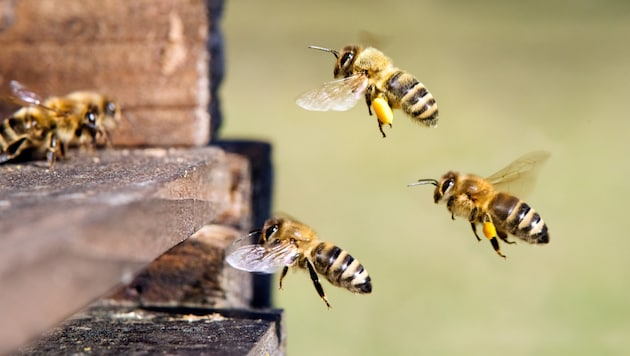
(283, 274)
(472, 218)
(474, 229)
(380, 127)
(369, 93)
(62, 150)
(503, 236)
(316, 283)
(383, 111)
(490, 231)
(495, 246)
(108, 139)
(51, 153)
(449, 206)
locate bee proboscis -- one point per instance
(367, 72)
(285, 242)
(482, 201)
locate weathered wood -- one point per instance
(150, 56)
(193, 273)
(71, 234)
(119, 330)
(259, 155)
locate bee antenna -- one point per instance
(255, 234)
(423, 181)
(336, 53)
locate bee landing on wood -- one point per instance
(481, 201)
(285, 243)
(367, 72)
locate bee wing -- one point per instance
(338, 95)
(24, 95)
(262, 258)
(520, 175)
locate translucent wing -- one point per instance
(25, 95)
(338, 95)
(263, 258)
(519, 177)
(21, 95)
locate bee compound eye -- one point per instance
(347, 57)
(91, 117)
(447, 185)
(271, 230)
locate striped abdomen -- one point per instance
(11, 129)
(514, 216)
(15, 136)
(414, 99)
(340, 269)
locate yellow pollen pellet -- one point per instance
(383, 111)
(489, 230)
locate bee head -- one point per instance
(271, 227)
(89, 121)
(443, 188)
(345, 61)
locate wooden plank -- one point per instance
(193, 273)
(259, 155)
(120, 330)
(71, 234)
(150, 56)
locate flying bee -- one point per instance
(481, 201)
(285, 243)
(367, 72)
(45, 126)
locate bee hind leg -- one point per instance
(283, 274)
(490, 231)
(318, 286)
(380, 127)
(503, 236)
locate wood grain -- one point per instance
(148, 55)
(72, 234)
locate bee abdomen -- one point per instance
(12, 128)
(340, 268)
(12, 133)
(414, 98)
(518, 218)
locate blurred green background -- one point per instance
(509, 77)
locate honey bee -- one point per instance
(107, 113)
(53, 124)
(285, 243)
(367, 72)
(27, 129)
(481, 201)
